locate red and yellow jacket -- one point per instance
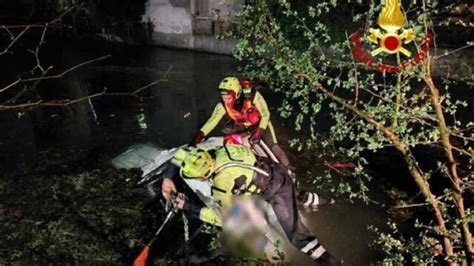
(252, 112)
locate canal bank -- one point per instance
(194, 25)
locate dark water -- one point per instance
(110, 123)
(90, 133)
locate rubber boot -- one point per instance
(311, 199)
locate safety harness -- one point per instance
(240, 184)
(242, 111)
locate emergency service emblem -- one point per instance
(391, 38)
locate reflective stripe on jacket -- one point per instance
(231, 179)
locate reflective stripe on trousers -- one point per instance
(281, 194)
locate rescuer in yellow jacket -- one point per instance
(248, 110)
(234, 170)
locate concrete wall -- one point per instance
(175, 24)
(169, 18)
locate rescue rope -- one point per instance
(186, 228)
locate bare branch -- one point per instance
(14, 40)
(44, 77)
(30, 26)
(463, 151)
(136, 92)
(41, 25)
(67, 71)
(57, 103)
(42, 37)
(9, 32)
(354, 67)
(411, 205)
(10, 85)
(453, 51)
(68, 102)
(462, 137)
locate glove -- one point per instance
(198, 138)
(256, 135)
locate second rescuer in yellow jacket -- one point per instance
(234, 170)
